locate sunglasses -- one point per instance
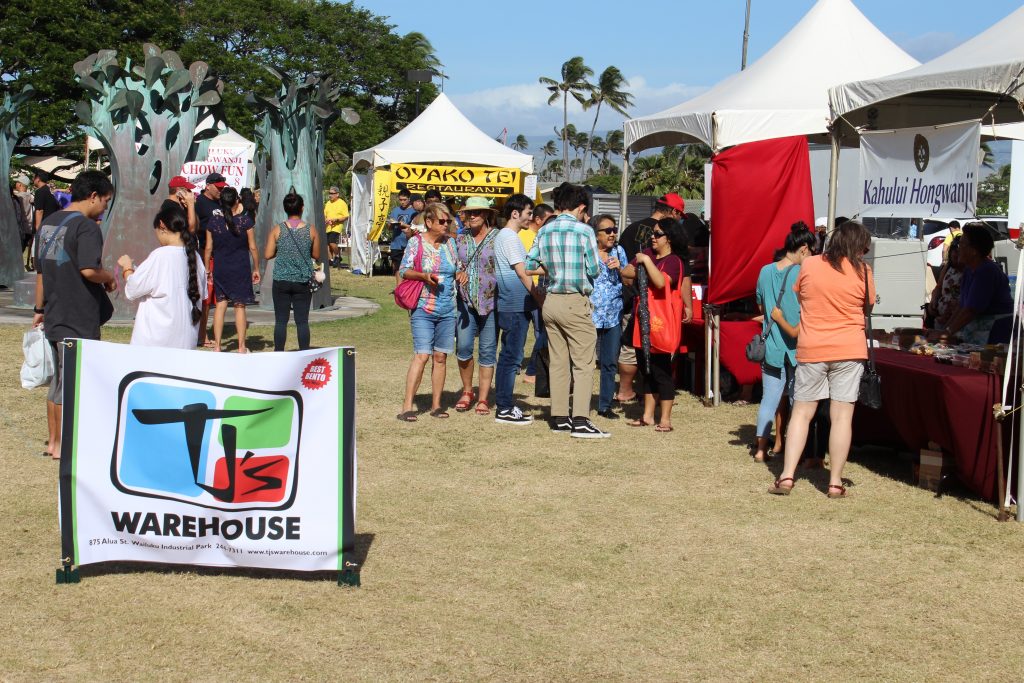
(657, 235)
(442, 221)
(475, 212)
(609, 231)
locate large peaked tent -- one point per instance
(442, 133)
(783, 93)
(963, 84)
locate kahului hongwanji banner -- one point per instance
(486, 181)
(921, 172)
(213, 459)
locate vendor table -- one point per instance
(926, 401)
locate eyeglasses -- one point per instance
(657, 235)
(332, 193)
(609, 231)
(442, 221)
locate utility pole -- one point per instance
(746, 37)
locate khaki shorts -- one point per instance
(627, 354)
(55, 394)
(838, 380)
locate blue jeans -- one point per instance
(540, 341)
(608, 340)
(513, 328)
(472, 325)
(431, 332)
(774, 382)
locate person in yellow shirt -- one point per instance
(336, 214)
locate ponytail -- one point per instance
(173, 218)
(228, 199)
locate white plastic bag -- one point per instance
(37, 370)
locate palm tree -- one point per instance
(553, 169)
(574, 82)
(608, 90)
(988, 159)
(614, 143)
(598, 147)
(579, 143)
(520, 143)
(677, 169)
(548, 150)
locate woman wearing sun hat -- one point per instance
(476, 303)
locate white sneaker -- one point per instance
(513, 416)
(583, 428)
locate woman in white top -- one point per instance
(167, 284)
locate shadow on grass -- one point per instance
(359, 554)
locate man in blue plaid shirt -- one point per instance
(566, 250)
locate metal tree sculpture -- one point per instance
(291, 153)
(146, 116)
(12, 268)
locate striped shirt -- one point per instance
(568, 251)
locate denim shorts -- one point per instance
(472, 325)
(432, 333)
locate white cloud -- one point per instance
(523, 108)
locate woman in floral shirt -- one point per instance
(476, 301)
(607, 301)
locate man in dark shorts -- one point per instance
(207, 206)
(71, 283)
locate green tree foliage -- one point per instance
(40, 42)
(994, 193)
(677, 168)
(520, 143)
(574, 81)
(610, 89)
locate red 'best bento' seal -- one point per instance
(317, 374)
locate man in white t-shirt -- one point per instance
(516, 303)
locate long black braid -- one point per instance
(174, 219)
(228, 199)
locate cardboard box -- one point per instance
(934, 465)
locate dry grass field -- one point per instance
(499, 553)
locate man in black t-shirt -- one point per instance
(45, 204)
(71, 283)
(207, 206)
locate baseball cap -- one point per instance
(216, 179)
(180, 181)
(821, 220)
(23, 179)
(673, 201)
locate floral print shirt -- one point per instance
(607, 294)
(481, 292)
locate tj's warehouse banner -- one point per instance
(228, 460)
(458, 180)
(921, 172)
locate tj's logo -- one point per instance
(220, 447)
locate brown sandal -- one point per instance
(482, 408)
(464, 401)
(779, 490)
(839, 492)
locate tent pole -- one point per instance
(624, 192)
(833, 178)
(717, 356)
(1020, 470)
(707, 356)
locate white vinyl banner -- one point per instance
(214, 459)
(921, 172)
(231, 162)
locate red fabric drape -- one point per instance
(758, 190)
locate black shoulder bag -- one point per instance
(756, 348)
(312, 283)
(870, 383)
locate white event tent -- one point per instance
(441, 134)
(783, 93)
(979, 80)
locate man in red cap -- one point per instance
(634, 239)
(181, 197)
(208, 205)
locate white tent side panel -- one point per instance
(363, 253)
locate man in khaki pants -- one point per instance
(566, 250)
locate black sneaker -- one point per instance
(560, 424)
(513, 416)
(608, 414)
(583, 428)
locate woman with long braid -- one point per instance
(167, 285)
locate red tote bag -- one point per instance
(666, 309)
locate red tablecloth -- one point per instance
(926, 401)
(735, 336)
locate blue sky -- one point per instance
(668, 50)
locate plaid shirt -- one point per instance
(568, 251)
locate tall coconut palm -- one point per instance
(598, 147)
(610, 90)
(548, 150)
(574, 82)
(553, 169)
(520, 143)
(579, 143)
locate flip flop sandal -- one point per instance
(440, 413)
(464, 401)
(662, 428)
(482, 408)
(408, 416)
(837, 491)
(638, 423)
(779, 490)
(625, 399)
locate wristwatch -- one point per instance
(38, 311)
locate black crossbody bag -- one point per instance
(870, 383)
